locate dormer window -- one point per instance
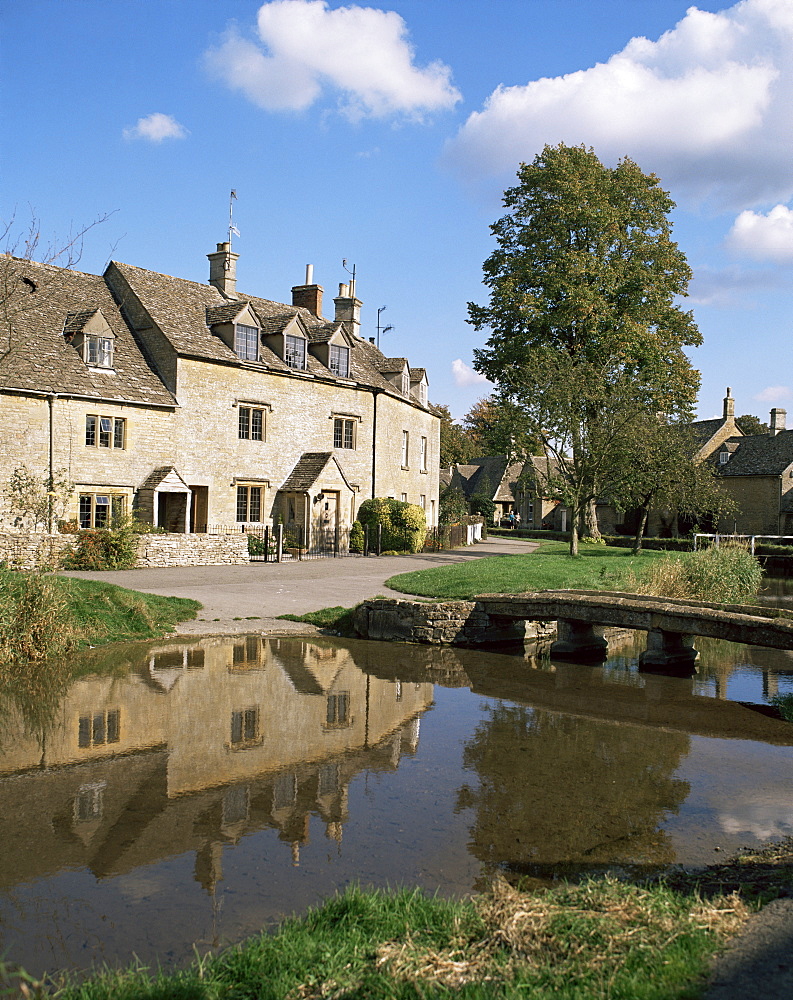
(724, 457)
(339, 362)
(98, 351)
(295, 352)
(246, 342)
(405, 384)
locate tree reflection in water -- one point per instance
(567, 793)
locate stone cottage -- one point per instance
(201, 408)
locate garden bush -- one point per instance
(404, 524)
(356, 537)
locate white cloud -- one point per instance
(734, 286)
(360, 52)
(705, 106)
(763, 237)
(155, 128)
(463, 374)
(773, 394)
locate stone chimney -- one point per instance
(308, 296)
(777, 422)
(348, 308)
(729, 406)
(223, 270)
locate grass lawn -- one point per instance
(598, 567)
(603, 938)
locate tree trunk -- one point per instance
(591, 520)
(574, 519)
(637, 542)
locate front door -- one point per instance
(328, 521)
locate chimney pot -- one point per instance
(223, 270)
(778, 420)
(729, 405)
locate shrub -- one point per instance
(106, 548)
(452, 506)
(35, 622)
(726, 575)
(356, 537)
(256, 546)
(404, 524)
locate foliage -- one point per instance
(34, 618)
(256, 546)
(481, 503)
(106, 548)
(750, 425)
(37, 501)
(600, 938)
(456, 447)
(784, 702)
(728, 574)
(584, 330)
(495, 427)
(658, 469)
(356, 537)
(404, 524)
(452, 506)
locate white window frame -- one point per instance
(423, 454)
(245, 414)
(405, 449)
(344, 433)
(246, 341)
(98, 350)
(339, 360)
(293, 357)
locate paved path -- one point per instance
(246, 598)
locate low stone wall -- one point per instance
(39, 550)
(33, 550)
(192, 550)
(458, 623)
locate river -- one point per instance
(182, 795)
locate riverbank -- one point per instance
(601, 937)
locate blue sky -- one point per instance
(385, 134)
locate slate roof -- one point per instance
(703, 430)
(39, 358)
(179, 309)
(757, 455)
(308, 469)
(493, 469)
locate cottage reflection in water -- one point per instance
(196, 746)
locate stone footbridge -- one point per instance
(581, 617)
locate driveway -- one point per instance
(246, 598)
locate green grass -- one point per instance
(602, 938)
(337, 618)
(550, 567)
(85, 613)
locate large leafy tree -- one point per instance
(584, 327)
(456, 446)
(494, 428)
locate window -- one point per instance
(246, 342)
(343, 433)
(251, 423)
(405, 384)
(423, 393)
(405, 445)
(340, 361)
(97, 510)
(423, 501)
(245, 727)
(98, 351)
(99, 728)
(295, 352)
(105, 432)
(724, 457)
(88, 802)
(404, 498)
(247, 653)
(338, 710)
(249, 503)
(423, 456)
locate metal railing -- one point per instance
(750, 539)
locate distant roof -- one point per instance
(757, 455)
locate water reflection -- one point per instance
(201, 790)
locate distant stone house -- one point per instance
(517, 486)
(197, 407)
(756, 471)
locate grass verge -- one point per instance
(337, 618)
(600, 938)
(44, 616)
(550, 567)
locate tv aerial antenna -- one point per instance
(352, 273)
(381, 329)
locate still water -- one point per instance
(184, 795)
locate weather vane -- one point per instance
(233, 231)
